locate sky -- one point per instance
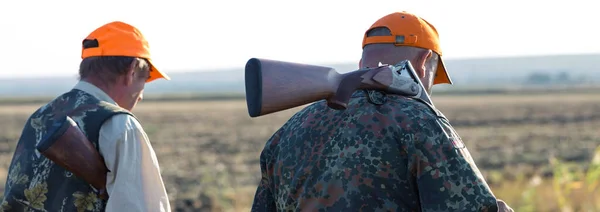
(43, 38)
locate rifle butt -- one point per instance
(67, 146)
(273, 86)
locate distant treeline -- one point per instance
(453, 91)
(558, 77)
(147, 98)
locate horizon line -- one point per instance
(213, 70)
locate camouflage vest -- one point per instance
(35, 183)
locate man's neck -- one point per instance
(104, 86)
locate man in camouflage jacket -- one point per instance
(384, 152)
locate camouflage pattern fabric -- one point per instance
(383, 153)
(34, 182)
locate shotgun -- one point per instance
(273, 86)
(67, 146)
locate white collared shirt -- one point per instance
(134, 182)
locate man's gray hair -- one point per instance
(108, 68)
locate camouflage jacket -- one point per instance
(383, 153)
(34, 182)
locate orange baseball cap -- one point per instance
(120, 39)
(410, 30)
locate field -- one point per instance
(209, 150)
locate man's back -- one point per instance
(34, 181)
(385, 152)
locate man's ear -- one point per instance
(130, 74)
(421, 60)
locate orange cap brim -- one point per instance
(155, 73)
(441, 77)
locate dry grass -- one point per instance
(209, 150)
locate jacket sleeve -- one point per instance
(446, 176)
(134, 181)
(264, 200)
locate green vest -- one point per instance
(34, 182)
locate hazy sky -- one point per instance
(43, 38)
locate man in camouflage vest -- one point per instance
(384, 152)
(116, 66)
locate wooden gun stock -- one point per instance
(68, 147)
(273, 86)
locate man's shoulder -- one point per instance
(401, 109)
(121, 122)
(374, 100)
(415, 108)
(368, 110)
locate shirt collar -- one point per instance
(94, 91)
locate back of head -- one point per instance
(404, 36)
(107, 69)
